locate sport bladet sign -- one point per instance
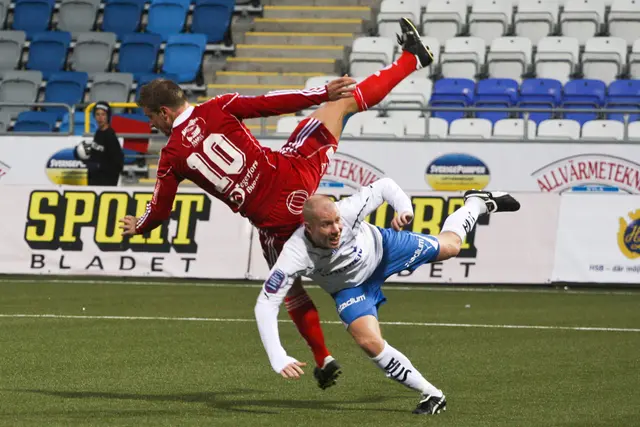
(71, 230)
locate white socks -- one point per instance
(462, 221)
(399, 368)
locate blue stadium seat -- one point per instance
(623, 95)
(66, 87)
(183, 56)
(166, 18)
(139, 53)
(540, 93)
(122, 16)
(135, 116)
(35, 121)
(583, 94)
(496, 93)
(212, 17)
(78, 123)
(32, 16)
(452, 93)
(48, 52)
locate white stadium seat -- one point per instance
(286, 125)
(434, 45)
(369, 54)
(559, 129)
(634, 130)
(463, 57)
(624, 20)
(514, 128)
(438, 128)
(603, 130)
(536, 19)
(444, 19)
(509, 57)
(354, 124)
(391, 11)
(405, 115)
(557, 58)
(318, 81)
(410, 92)
(604, 58)
(383, 126)
(470, 128)
(490, 19)
(582, 19)
(634, 60)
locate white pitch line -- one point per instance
(214, 319)
(389, 287)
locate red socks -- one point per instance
(375, 87)
(304, 314)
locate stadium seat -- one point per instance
(509, 57)
(438, 128)
(536, 19)
(624, 20)
(490, 19)
(65, 87)
(623, 95)
(514, 129)
(212, 18)
(5, 122)
(78, 123)
(122, 17)
(166, 18)
(383, 127)
(183, 56)
(353, 128)
(138, 54)
(48, 52)
(4, 8)
(582, 19)
(540, 93)
(111, 87)
(470, 128)
(634, 130)
(444, 19)
(92, 53)
(35, 121)
(143, 79)
(77, 16)
(452, 93)
(391, 11)
(19, 86)
(369, 54)
(32, 16)
(286, 125)
(557, 58)
(559, 129)
(11, 43)
(410, 92)
(583, 94)
(495, 93)
(463, 57)
(604, 58)
(318, 81)
(134, 116)
(603, 130)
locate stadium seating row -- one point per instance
(46, 121)
(122, 17)
(367, 124)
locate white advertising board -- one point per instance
(598, 239)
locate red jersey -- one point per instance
(210, 146)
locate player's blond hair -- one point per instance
(161, 93)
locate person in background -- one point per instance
(104, 156)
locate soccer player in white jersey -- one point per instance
(351, 259)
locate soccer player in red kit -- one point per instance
(209, 145)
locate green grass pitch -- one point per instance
(184, 354)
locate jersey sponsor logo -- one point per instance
(350, 302)
(358, 256)
(629, 235)
(345, 170)
(457, 172)
(295, 201)
(275, 281)
(193, 132)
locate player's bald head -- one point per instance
(316, 206)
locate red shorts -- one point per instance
(309, 150)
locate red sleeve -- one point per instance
(160, 207)
(272, 103)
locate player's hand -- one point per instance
(400, 220)
(128, 225)
(340, 88)
(293, 370)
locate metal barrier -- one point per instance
(69, 108)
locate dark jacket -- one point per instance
(106, 158)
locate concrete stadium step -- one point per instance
(249, 90)
(307, 11)
(289, 51)
(260, 37)
(323, 66)
(372, 3)
(341, 25)
(264, 78)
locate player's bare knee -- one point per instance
(450, 245)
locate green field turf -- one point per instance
(196, 358)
